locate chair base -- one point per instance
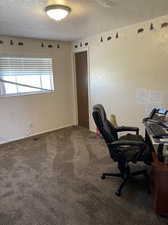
(125, 178)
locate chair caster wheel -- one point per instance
(103, 177)
(118, 193)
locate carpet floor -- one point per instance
(54, 179)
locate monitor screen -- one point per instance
(162, 111)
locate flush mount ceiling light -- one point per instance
(57, 12)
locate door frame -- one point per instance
(75, 85)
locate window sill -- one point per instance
(27, 94)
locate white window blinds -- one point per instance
(25, 75)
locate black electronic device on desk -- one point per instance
(157, 131)
(157, 116)
(162, 111)
(156, 128)
(151, 115)
(157, 124)
(162, 118)
(156, 136)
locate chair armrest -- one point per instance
(124, 128)
(119, 143)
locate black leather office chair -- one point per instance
(123, 150)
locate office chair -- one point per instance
(119, 129)
(121, 150)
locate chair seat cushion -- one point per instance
(132, 153)
(132, 137)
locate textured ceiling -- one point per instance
(26, 18)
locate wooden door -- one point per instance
(82, 88)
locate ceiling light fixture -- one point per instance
(57, 12)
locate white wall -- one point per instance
(44, 111)
(120, 67)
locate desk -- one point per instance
(159, 177)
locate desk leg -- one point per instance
(160, 190)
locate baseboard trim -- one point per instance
(35, 134)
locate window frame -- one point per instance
(38, 91)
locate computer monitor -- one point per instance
(162, 111)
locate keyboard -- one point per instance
(157, 131)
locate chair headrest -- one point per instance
(101, 111)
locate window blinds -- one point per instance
(26, 67)
(12, 66)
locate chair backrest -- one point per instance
(103, 125)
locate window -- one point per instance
(20, 75)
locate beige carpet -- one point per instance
(55, 180)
